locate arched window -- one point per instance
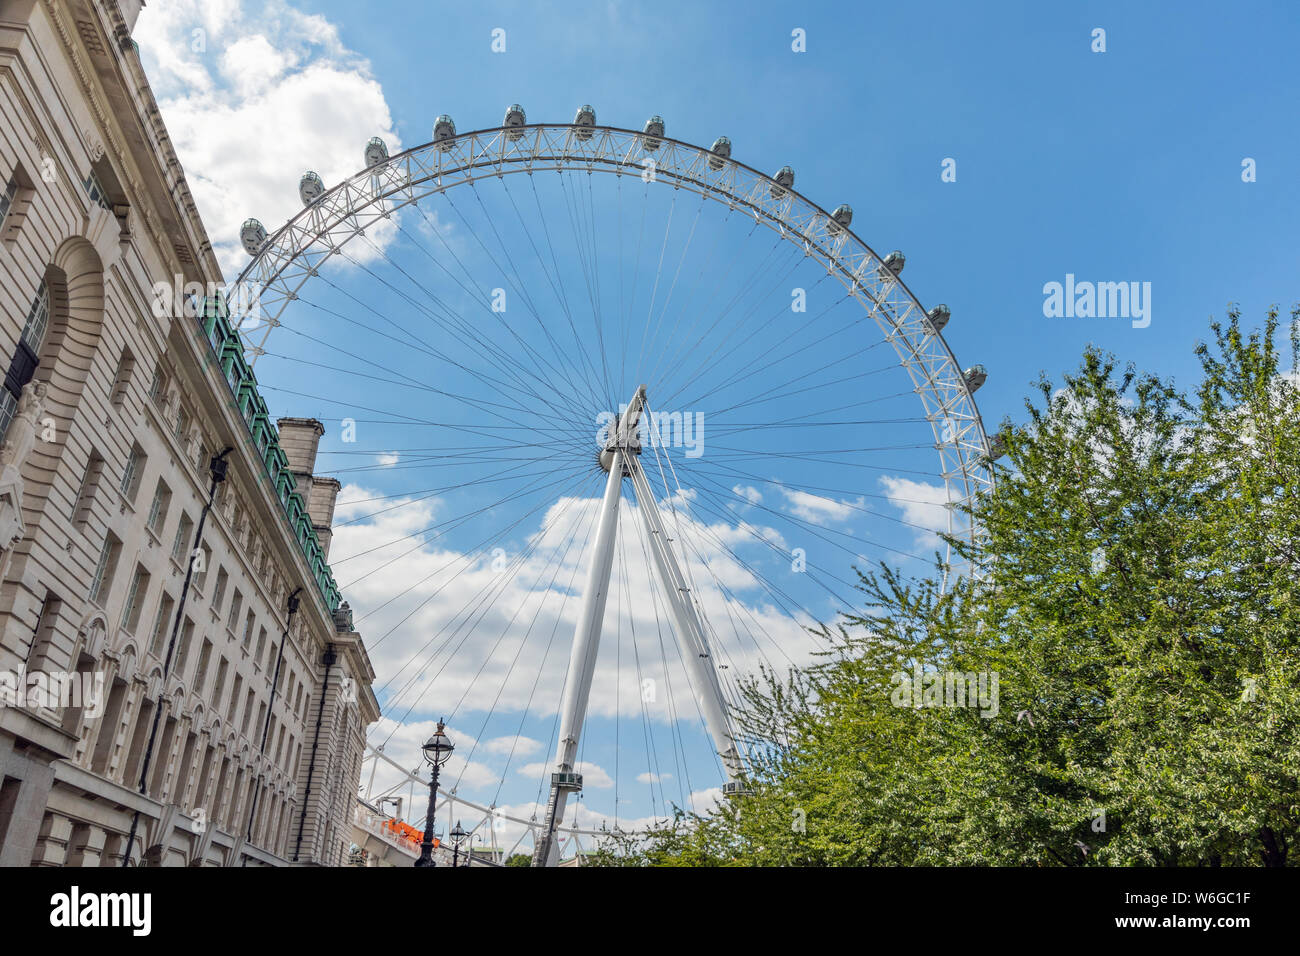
(26, 357)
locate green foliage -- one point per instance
(1137, 601)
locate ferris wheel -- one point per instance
(616, 415)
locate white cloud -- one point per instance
(522, 746)
(253, 96)
(592, 775)
(388, 459)
(819, 510)
(462, 631)
(648, 777)
(922, 504)
(749, 493)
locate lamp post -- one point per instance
(436, 751)
(457, 835)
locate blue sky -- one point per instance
(1123, 165)
(1117, 165)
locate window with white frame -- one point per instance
(133, 472)
(7, 199)
(135, 596)
(89, 486)
(22, 367)
(236, 604)
(96, 191)
(107, 564)
(162, 499)
(122, 381)
(184, 528)
(161, 627)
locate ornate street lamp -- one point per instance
(457, 835)
(436, 751)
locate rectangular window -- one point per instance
(248, 631)
(133, 472)
(122, 383)
(162, 627)
(236, 604)
(182, 423)
(221, 681)
(15, 202)
(43, 635)
(181, 543)
(7, 199)
(202, 562)
(261, 646)
(135, 596)
(95, 190)
(183, 648)
(201, 675)
(234, 699)
(162, 499)
(103, 579)
(89, 486)
(219, 594)
(248, 713)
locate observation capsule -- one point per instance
(939, 317)
(975, 376)
(584, 121)
(654, 131)
(253, 235)
(720, 152)
(444, 131)
(784, 180)
(376, 152)
(310, 188)
(841, 218)
(894, 262)
(515, 118)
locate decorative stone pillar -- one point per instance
(86, 847)
(123, 733)
(172, 783)
(52, 841)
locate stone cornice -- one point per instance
(169, 178)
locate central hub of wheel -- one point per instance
(624, 433)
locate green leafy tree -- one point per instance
(1136, 600)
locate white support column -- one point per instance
(619, 451)
(690, 629)
(582, 658)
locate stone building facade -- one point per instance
(235, 657)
